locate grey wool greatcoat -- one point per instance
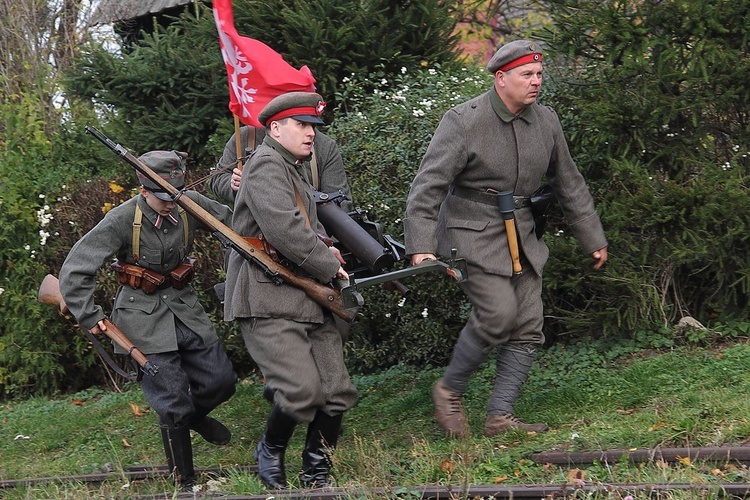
(480, 145)
(266, 204)
(147, 319)
(330, 165)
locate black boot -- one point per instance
(179, 452)
(212, 430)
(270, 450)
(209, 428)
(322, 436)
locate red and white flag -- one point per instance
(256, 73)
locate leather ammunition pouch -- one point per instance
(150, 281)
(182, 274)
(541, 201)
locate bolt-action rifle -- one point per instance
(326, 296)
(49, 293)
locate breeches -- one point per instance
(191, 381)
(303, 363)
(505, 309)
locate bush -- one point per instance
(656, 110)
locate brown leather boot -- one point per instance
(449, 411)
(496, 424)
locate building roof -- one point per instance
(111, 11)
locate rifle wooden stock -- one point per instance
(325, 296)
(49, 293)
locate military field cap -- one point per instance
(514, 54)
(303, 106)
(169, 165)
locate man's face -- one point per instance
(159, 206)
(519, 87)
(296, 136)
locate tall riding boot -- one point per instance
(513, 365)
(179, 452)
(270, 450)
(322, 436)
(209, 428)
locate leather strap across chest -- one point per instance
(137, 224)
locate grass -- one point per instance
(595, 396)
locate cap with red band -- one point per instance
(303, 106)
(514, 54)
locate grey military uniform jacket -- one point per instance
(480, 145)
(147, 319)
(332, 177)
(273, 211)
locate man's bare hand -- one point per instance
(98, 328)
(417, 258)
(600, 257)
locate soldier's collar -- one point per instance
(501, 110)
(154, 216)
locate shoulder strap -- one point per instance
(137, 218)
(314, 171)
(137, 223)
(301, 205)
(185, 228)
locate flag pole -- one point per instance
(238, 141)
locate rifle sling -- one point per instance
(102, 352)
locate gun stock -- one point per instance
(325, 296)
(49, 293)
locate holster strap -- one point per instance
(486, 197)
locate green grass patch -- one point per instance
(594, 396)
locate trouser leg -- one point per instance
(322, 436)
(271, 448)
(513, 364)
(179, 452)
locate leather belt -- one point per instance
(486, 197)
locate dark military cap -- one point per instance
(514, 54)
(303, 106)
(169, 165)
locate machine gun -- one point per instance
(369, 254)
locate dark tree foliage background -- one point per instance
(651, 100)
(168, 89)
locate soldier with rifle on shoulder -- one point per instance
(292, 338)
(152, 238)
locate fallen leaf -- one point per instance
(76, 402)
(499, 479)
(685, 461)
(125, 443)
(625, 412)
(447, 466)
(717, 473)
(656, 426)
(576, 476)
(136, 410)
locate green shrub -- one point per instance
(656, 110)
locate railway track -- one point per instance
(737, 455)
